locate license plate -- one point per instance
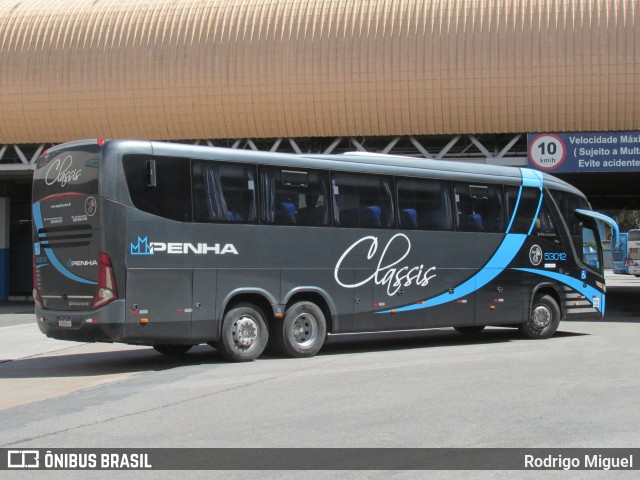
(64, 322)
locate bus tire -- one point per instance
(471, 330)
(302, 331)
(171, 349)
(244, 333)
(543, 320)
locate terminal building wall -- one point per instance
(194, 69)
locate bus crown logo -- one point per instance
(142, 247)
(535, 255)
(145, 247)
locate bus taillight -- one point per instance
(36, 293)
(106, 291)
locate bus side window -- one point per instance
(363, 201)
(545, 227)
(424, 204)
(294, 197)
(224, 193)
(590, 250)
(567, 204)
(479, 208)
(527, 201)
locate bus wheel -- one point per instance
(543, 320)
(244, 333)
(302, 331)
(173, 350)
(474, 330)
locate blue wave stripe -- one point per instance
(37, 215)
(37, 218)
(578, 285)
(515, 209)
(503, 256)
(531, 178)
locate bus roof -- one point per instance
(364, 162)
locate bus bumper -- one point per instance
(105, 324)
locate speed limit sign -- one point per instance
(547, 151)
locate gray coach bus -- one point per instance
(174, 245)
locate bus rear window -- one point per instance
(72, 170)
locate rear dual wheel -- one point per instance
(302, 330)
(244, 333)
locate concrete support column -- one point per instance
(5, 203)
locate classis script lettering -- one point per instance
(60, 171)
(388, 270)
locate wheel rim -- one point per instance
(541, 316)
(305, 330)
(245, 332)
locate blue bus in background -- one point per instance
(620, 263)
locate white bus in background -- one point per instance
(633, 246)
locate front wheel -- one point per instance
(244, 333)
(302, 331)
(543, 320)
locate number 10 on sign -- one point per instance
(547, 151)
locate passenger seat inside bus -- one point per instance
(312, 216)
(234, 217)
(371, 216)
(285, 214)
(409, 218)
(366, 217)
(434, 220)
(471, 223)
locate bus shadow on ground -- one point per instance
(623, 305)
(147, 360)
(105, 363)
(436, 338)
